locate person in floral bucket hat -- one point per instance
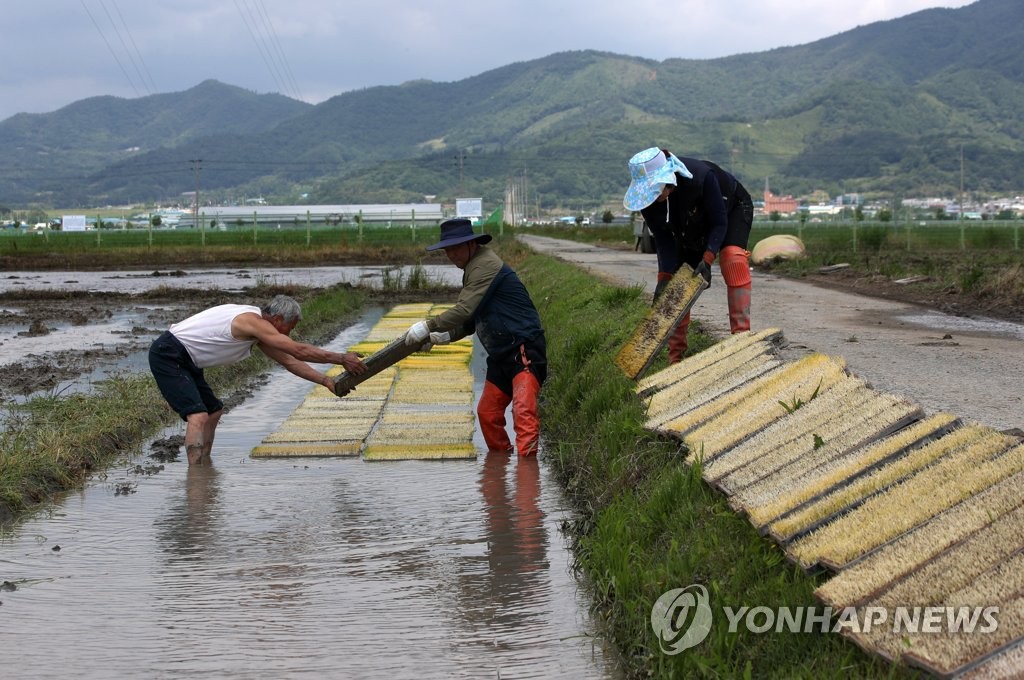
(697, 213)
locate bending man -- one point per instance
(495, 305)
(224, 335)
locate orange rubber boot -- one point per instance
(525, 420)
(739, 309)
(491, 415)
(677, 343)
(736, 273)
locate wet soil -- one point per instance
(37, 314)
(41, 371)
(925, 293)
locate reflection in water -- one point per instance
(189, 528)
(515, 531)
(504, 603)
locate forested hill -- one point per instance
(888, 107)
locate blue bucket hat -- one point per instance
(459, 230)
(651, 170)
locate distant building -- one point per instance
(784, 205)
(263, 214)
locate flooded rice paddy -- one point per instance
(230, 280)
(274, 568)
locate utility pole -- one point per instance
(196, 163)
(460, 158)
(526, 198)
(961, 182)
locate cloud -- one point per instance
(315, 49)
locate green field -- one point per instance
(315, 236)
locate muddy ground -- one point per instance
(29, 322)
(947, 300)
(37, 316)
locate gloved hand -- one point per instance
(440, 338)
(704, 270)
(417, 333)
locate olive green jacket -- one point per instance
(476, 279)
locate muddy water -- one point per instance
(231, 280)
(278, 568)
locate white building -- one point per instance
(279, 214)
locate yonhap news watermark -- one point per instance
(682, 618)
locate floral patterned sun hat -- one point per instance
(651, 169)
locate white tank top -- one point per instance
(207, 336)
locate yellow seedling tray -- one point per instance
(675, 301)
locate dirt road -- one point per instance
(970, 367)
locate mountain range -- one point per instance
(919, 105)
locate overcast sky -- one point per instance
(59, 51)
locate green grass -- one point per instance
(237, 245)
(648, 522)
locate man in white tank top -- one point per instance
(223, 335)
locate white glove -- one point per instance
(417, 333)
(440, 338)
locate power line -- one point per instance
(131, 57)
(261, 46)
(138, 53)
(112, 52)
(277, 44)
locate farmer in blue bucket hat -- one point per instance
(495, 305)
(697, 213)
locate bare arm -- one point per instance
(292, 354)
(296, 367)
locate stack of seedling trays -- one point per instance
(904, 509)
(419, 408)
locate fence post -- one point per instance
(307, 228)
(414, 225)
(149, 226)
(254, 227)
(854, 238)
(963, 241)
(202, 229)
(360, 225)
(908, 236)
(99, 223)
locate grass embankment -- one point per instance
(52, 443)
(649, 523)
